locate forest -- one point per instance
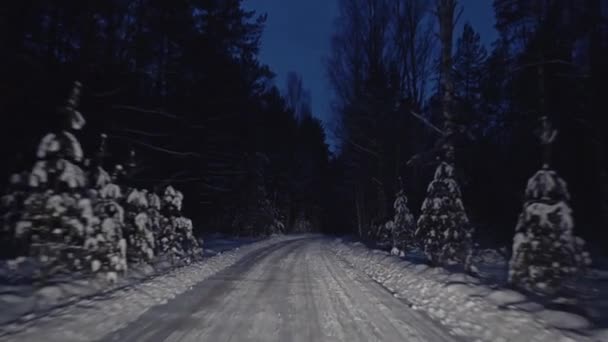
(175, 94)
(159, 179)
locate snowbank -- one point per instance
(463, 304)
(94, 309)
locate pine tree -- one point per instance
(256, 214)
(139, 231)
(154, 220)
(443, 228)
(106, 196)
(545, 251)
(385, 234)
(398, 233)
(11, 206)
(469, 66)
(404, 226)
(57, 222)
(176, 236)
(444, 231)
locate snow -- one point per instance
(563, 320)
(49, 144)
(111, 191)
(75, 150)
(464, 304)
(91, 307)
(138, 198)
(71, 175)
(294, 291)
(77, 121)
(173, 198)
(102, 178)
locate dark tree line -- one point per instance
(547, 61)
(180, 84)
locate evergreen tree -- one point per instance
(398, 233)
(139, 232)
(443, 228)
(469, 66)
(255, 213)
(404, 225)
(545, 251)
(57, 222)
(107, 197)
(177, 239)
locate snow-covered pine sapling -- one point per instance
(140, 236)
(11, 207)
(443, 228)
(155, 220)
(276, 226)
(177, 238)
(59, 153)
(385, 235)
(546, 253)
(107, 245)
(404, 226)
(57, 215)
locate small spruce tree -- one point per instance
(398, 233)
(546, 253)
(404, 226)
(177, 238)
(106, 244)
(444, 231)
(139, 231)
(57, 222)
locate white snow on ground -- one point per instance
(469, 308)
(103, 310)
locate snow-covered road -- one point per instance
(295, 290)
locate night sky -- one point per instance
(297, 38)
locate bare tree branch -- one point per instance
(364, 149)
(108, 93)
(138, 132)
(427, 122)
(157, 148)
(552, 61)
(146, 111)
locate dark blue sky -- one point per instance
(298, 32)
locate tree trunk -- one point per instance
(445, 11)
(359, 209)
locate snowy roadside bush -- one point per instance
(545, 251)
(444, 232)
